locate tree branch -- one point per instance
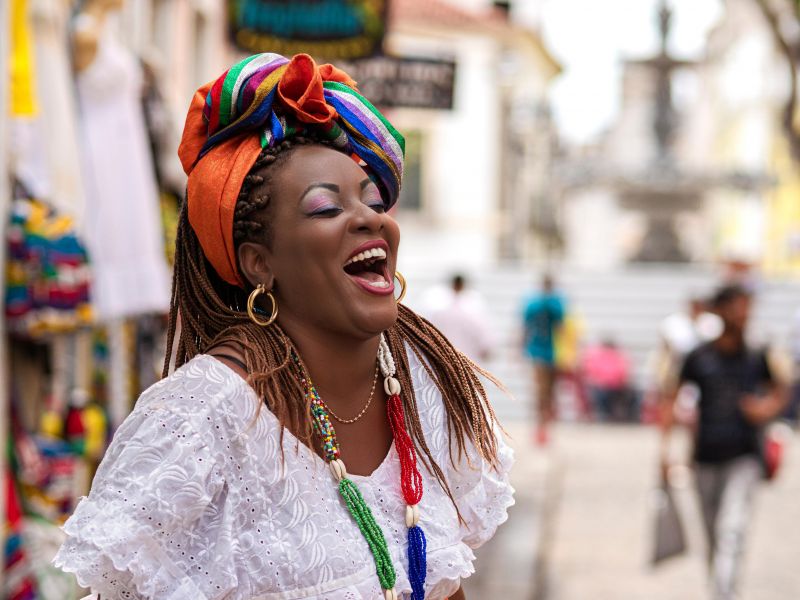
(789, 52)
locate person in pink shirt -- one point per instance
(606, 371)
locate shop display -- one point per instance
(47, 273)
(86, 273)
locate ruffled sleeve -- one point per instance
(136, 534)
(483, 493)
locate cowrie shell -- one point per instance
(412, 515)
(391, 386)
(338, 469)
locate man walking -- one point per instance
(738, 395)
(544, 313)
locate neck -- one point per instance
(97, 10)
(340, 367)
(731, 340)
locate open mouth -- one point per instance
(370, 270)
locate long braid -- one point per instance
(209, 312)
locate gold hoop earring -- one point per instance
(399, 276)
(251, 303)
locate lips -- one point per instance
(368, 268)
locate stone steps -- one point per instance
(627, 304)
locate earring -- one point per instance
(399, 276)
(251, 310)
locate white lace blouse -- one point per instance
(192, 502)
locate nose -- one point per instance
(365, 219)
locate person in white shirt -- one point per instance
(462, 316)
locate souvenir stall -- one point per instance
(88, 205)
(90, 188)
(4, 203)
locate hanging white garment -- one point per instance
(123, 225)
(26, 162)
(58, 118)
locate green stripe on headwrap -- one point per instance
(226, 95)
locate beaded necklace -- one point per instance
(410, 479)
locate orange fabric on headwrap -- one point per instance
(301, 89)
(257, 103)
(214, 185)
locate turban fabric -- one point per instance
(257, 103)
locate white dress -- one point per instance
(59, 116)
(123, 221)
(192, 502)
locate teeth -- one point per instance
(379, 284)
(372, 253)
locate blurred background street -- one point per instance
(581, 527)
(609, 165)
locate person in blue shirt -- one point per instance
(543, 314)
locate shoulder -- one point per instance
(532, 303)
(701, 363)
(85, 36)
(763, 355)
(433, 415)
(232, 356)
(700, 352)
(206, 394)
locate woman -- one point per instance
(216, 485)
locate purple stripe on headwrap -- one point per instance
(380, 164)
(358, 113)
(248, 90)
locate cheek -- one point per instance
(392, 229)
(302, 253)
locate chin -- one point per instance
(376, 320)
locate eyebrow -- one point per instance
(328, 186)
(333, 187)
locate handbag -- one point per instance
(669, 539)
(773, 439)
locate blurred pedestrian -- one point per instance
(606, 372)
(684, 330)
(793, 409)
(569, 375)
(679, 333)
(739, 394)
(543, 314)
(461, 315)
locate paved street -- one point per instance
(507, 565)
(583, 516)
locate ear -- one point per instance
(254, 261)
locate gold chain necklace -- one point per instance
(366, 406)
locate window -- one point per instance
(411, 191)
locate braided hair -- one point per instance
(212, 314)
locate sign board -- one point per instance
(390, 82)
(326, 29)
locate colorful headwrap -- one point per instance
(257, 103)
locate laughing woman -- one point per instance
(317, 439)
